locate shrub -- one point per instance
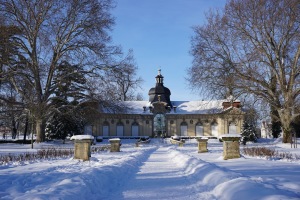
(49, 153)
(269, 153)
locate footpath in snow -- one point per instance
(159, 177)
(153, 171)
(169, 174)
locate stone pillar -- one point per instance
(231, 147)
(115, 144)
(82, 146)
(202, 145)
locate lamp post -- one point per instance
(293, 133)
(31, 129)
(31, 137)
(94, 141)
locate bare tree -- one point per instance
(123, 80)
(259, 41)
(53, 31)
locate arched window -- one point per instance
(183, 129)
(120, 129)
(232, 128)
(214, 129)
(105, 128)
(135, 129)
(199, 129)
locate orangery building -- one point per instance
(161, 116)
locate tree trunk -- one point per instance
(286, 138)
(275, 121)
(286, 120)
(14, 129)
(40, 131)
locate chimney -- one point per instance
(150, 108)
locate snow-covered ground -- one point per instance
(157, 170)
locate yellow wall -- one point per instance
(172, 128)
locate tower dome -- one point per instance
(160, 92)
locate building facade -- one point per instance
(162, 117)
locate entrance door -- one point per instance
(159, 124)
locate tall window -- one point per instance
(232, 128)
(214, 129)
(199, 129)
(183, 129)
(135, 129)
(120, 129)
(105, 129)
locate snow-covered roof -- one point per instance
(182, 107)
(136, 107)
(197, 107)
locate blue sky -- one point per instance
(159, 33)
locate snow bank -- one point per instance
(154, 171)
(82, 137)
(72, 179)
(223, 184)
(230, 135)
(114, 139)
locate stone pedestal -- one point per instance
(115, 144)
(202, 145)
(82, 146)
(180, 144)
(231, 147)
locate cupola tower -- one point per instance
(160, 92)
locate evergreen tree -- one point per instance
(59, 126)
(67, 116)
(248, 132)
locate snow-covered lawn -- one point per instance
(157, 170)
